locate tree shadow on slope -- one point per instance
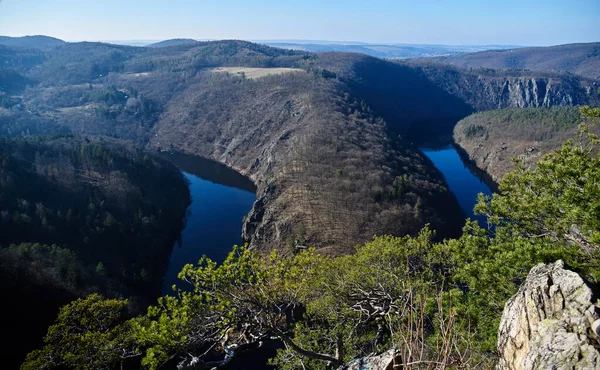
(411, 104)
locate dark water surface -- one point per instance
(461, 179)
(221, 197)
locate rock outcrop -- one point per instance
(551, 323)
(384, 361)
(496, 89)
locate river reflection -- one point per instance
(221, 197)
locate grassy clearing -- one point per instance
(251, 72)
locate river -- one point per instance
(221, 197)
(461, 178)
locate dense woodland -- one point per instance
(324, 162)
(81, 215)
(298, 135)
(492, 138)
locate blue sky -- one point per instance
(482, 22)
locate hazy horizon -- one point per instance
(282, 41)
(467, 22)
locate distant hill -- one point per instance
(390, 51)
(582, 59)
(35, 42)
(171, 42)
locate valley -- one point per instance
(279, 150)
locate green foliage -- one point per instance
(67, 203)
(474, 130)
(543, 214)
(399, 292)
(360, 303)
(86, 336)
(101, 199)
(559, 117)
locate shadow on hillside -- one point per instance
(411, 104)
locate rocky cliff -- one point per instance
(485, 89)
(551, 323)
(320, 140)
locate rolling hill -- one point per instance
(581, 59)
(391, 51)
(34, 42)
(171, 42)
(329, 139)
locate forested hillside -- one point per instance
(330, 140)
(32, 42)
(81, 215)
(485, 88)
(321, 142)
(318, 154)
(581, 59)
(492, 138)
(327, 173)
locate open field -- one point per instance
(256, 72)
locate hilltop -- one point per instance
(329, 139)
(384, 50)
(34, 42)
(171, 42)
(581, 59)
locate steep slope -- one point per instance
(485, 89)
(424, 100)
(326, 171)
(81, 215)
(411, 103)
(581, 59)
(490, 139)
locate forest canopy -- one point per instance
(80, 215)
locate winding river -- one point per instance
(221, 197)
(464, 181)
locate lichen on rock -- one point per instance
(549, 323)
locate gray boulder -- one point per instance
(384, 361)
(551, 323)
